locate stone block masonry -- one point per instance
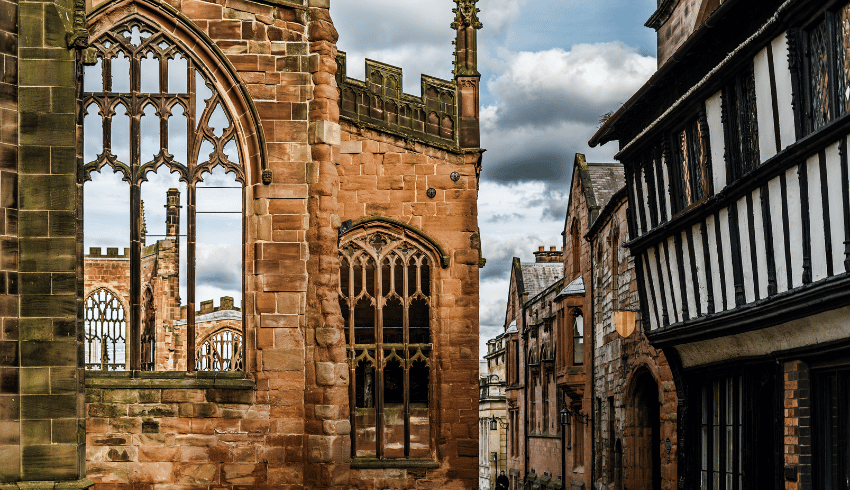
(283, 421)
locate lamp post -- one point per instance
(565, 423)
(495, 424)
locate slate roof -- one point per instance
(605, 179)
(537, 276)
(575, 287)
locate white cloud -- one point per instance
(544, 87)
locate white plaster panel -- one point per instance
(690, 295)
(764, 106)
(836, 207)
(649, 278)
(726, 243)
(646, 199)
(699, 258)
(783, 90)
(674, 273)
(668, 288)
(715, 263)
(664, 192)
(795, 226)
(774, 188)
(746, 257)
(816, 219)
(718, 144)
(811, 330)
(637, 194)
(761, 248)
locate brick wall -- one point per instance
(9, 361)
(797, 435)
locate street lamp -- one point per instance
(496, 423)
(565, 416)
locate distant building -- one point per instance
(534, 447)
(492, 433)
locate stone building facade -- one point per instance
(634, 394)
(534, 435)
(492, 430)
(339, 178)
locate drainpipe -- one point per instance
(524, 336)
(592, 365)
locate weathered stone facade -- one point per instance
(313, 180)
(634, 394)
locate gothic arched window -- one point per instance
(385, 297)
(221, 351)
(106, 331)
(164, 178)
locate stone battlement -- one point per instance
(225, 304)
(111, 253)
(379, 102)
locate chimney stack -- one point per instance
(552, 255)
(172, 214)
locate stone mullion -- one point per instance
(406, 340)
(352, 355)
(379, 357)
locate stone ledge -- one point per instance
(374, 463)
(166, 380)
(45, 485)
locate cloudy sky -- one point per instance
(549, 70)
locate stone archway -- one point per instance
(643, 435)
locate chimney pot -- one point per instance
(551, 249)
(540, 248)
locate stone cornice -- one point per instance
(662, 14)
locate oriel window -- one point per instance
(163, 186)
(385, 298)
(578, 338)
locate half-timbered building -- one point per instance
(739, 217)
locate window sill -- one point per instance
(169, 380)
(374, 463)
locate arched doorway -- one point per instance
(645, 449)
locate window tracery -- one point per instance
(385, 298)
(152, 113)
(105, 331)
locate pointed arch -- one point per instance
(219, 70)
(409, 231)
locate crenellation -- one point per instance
(379, 101)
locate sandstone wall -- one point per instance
(618, 363)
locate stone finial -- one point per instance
(466, 24)
(466, 14)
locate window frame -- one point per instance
(190, 173)
(740, 127)
(353, 246)
(829, 18)
(681, 167)
(574, 314)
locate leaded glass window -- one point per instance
(741, 124)
(826, 81)
(164, 178)
(691, 169)
(385, 298)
